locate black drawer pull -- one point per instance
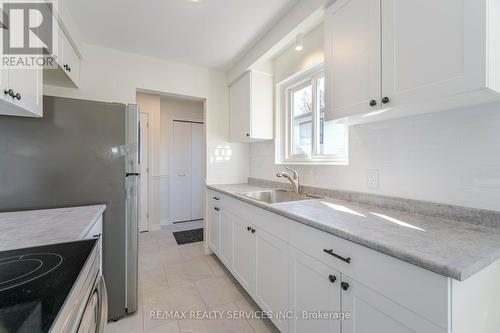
(249, 228)
(330, 252)
(217, 208)
(332, 278)
(215, 198)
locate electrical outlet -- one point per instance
(372, 179)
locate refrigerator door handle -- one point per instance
(129, 174)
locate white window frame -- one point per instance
(284, 121)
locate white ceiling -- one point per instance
(208, 33)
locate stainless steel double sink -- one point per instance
(277, 196)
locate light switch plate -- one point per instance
(372, 179)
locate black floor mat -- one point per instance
(189, 236)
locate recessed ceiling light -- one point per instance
(299, 42)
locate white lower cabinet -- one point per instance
(271, 290)
(226, 250)
(214, 228)
(309, 280)
(371, 312)
(314, 289)
(244, 265)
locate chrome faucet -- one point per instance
(293, 179)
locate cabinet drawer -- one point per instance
(417, 289)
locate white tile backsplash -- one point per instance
(449, 157)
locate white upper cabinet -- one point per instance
(251, 107)
(352, 49)
(21, 92)
(388, 59)
(67, 73)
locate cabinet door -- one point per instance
(181, 172)
(28, 83)
(371, 312)
(432, 49)
(70, 63)
(240, 108)
(244, 255)
(226, 247)
(271, 290)
(314, 288)
(214, 228)
(352, 58)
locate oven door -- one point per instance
(95, 316)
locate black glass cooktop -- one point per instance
(34, 282)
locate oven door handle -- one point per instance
(103, 304)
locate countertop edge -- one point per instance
(102, 209)
(443, 270)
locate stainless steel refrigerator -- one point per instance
(80, 153)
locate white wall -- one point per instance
(172, 109)
(115, 76)
(450, 157)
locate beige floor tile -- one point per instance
(187, 272)
(258, 325)
(153, 282)
(218, 291)
(172, 327)
(221, 325)
(216, 266)
(182, 298)
(151, 262)
(171, 255)
(192, 251)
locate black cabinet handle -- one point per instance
(96, 236)
(248, 134)
(385, 100)
(18, 96)
(332, 278)
(249, 228)
(253, 231)
(344, 286)
(9, 92)
(216, 198)
(330, 252)
(373, 102)
(217, 208)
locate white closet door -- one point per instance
(181, 172)
(197, 168)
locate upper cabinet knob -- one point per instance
(332, 278)
(373, 102)
(344, 286)
(385, 100)
(248, 134)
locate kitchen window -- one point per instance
(304, 135)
